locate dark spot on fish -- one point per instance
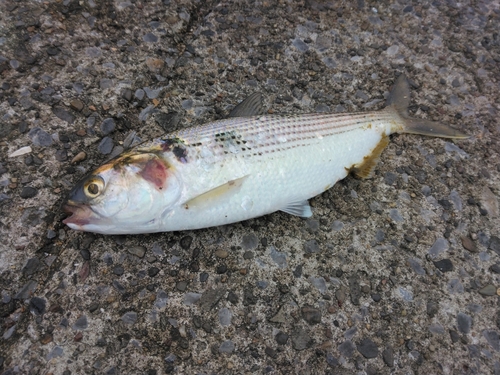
(170, 143)
(222, 137)
(155, 172)
(167, 145)
(180, 153)
(177, 147)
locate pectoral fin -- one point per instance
(300, 208)
(216, 196)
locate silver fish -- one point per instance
(238, 168)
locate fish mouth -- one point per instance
(79, 215)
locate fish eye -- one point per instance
(93, 187)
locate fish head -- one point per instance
(124, 196)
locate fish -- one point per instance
(247, 165)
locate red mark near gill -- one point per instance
(155, 172)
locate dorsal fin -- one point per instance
(251, 106)
(367, 166)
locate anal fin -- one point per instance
(367, 166)
(300, 208)
(217, 195)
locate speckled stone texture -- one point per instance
(398, 274)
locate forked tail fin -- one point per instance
(399, 99)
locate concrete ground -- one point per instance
(398, 274)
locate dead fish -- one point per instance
(248, 165)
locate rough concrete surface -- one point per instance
(398, 274)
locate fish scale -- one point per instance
(238, 168)
(267, 134)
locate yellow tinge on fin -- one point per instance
(366, 168)
(217, 195)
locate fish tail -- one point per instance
(398, 101)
